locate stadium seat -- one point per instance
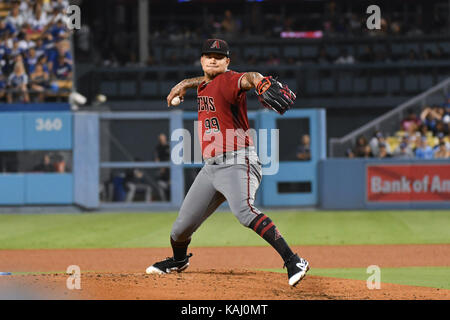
(360, 85)
(267, 51)
(149, 88)
(333, 51)
(393, 84)
(430, 46)
(252, 51)
(165, 87)
(312, 86)
(291, 52)
(108, 88)
(308, 52)
(327, 85)
(426, 82)
(377, 84)
(345, 84)
(127, 88)
(397, 49)
(411, 83)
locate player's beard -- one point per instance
(213, 74)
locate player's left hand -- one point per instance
(275, 95)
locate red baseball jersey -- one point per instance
(222, 115)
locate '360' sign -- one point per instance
(48, 124)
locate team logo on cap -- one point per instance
(215, 45)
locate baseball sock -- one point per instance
(179, 249)
(263, 226)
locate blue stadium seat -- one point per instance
(411, 83)
(312, 86)
(377, 84)
(291, 51)
(149, 88)
(327, 85)
(430, 46)
(393, 84)
(333, 51)
(309, 52)
(271, 50)
(445, 46)
(165, 86)
(345, 84)
(397, 49)
(252, 51)
(412, 46)
(127, 88)
(360, 85)
(108, 88)
(426, 82)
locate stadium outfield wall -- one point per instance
(319, 182)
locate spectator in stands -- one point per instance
(162, 154)
(349, 153)
(2, 85)
(368, 56)
(345, 57)
(304, 149)
(15, 18)
(441, 127)
(273, 60)
(31, 60)
(45, 166)
(323, 56)
(441, 139)
(135, 181)
(162, 150)
(38, 19)
(367, 152)
(6, 28)
(423, 150)
(429, 117)
(403, 151)
(376, 141)
(410, 123)
(360, 148)
(39, 81)
(17, 83)
(59, 163)
(382, 151)
(442, 152)
(62, 69)
(230, 26)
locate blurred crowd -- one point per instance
(35, 58)
(420, 136)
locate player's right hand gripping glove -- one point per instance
(274, 95)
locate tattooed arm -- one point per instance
(250, 80)
(181, 88)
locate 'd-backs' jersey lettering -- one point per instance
(222, 115)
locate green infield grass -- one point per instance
(128, 230)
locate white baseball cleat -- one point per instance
(296, 268)
(169, 265)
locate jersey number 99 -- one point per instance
(212, 125)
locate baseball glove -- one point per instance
(275, 95)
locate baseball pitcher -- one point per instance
(232, 170)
